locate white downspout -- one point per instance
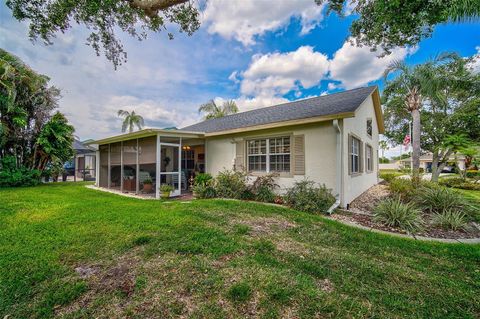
(338, 168)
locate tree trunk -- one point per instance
(416, 145)
(435, 166)
(441, 165)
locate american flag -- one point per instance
(406, 141)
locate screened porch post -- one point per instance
(137, 182)
(121, 167)
(109, 174)
(97, 167)
(157, 172)
(180, 167)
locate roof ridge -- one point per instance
(286, 103)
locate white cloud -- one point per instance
(279, 73)
(357, 66)
(245, 103)
(246, 19)
(271, 76)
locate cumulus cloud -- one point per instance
(271, 76)
(357, 66)
(278, 73)
(245, 20)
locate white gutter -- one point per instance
(338, 168)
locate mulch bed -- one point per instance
(361, 208)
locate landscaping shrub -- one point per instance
(458, 182)
(206, 190)
(473, 174)
(231, 184)
(204, 186)
(402, 187)
(13, 176)
(388, 177)
(305, 196)
(394, 213)
(451, 219)
(203, 179)
(263, 189)
(451, 181)
(440, 200)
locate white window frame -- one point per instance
(267, 154)
(355, 154)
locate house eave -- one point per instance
(148, 132)
(315, 119)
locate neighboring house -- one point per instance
(331, 139)
(82, 167)
(426, 162)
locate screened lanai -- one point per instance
(140, 162)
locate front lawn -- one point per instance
(72, 252)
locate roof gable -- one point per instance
(322, 106)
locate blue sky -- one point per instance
(259, 55)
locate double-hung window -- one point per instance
(354, 155)
(269, 154)
(257, 155)
(369, 158)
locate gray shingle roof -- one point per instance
(342, 102)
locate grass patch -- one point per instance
(215, 259)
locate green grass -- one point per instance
(215, 259)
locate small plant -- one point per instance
(239, 292)
(450, 219)
(388, 177)
(203, 179)
(263, 189)
(402, 187)
(440, 200)
(206, 190)
(231, 184)
(451, 181)
(147, 181)
(394, 213)
(166, 189)
(305, 196)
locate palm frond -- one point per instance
(230, 107)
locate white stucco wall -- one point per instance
(354, 185)
(319, 152)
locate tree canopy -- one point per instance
(130, 120)
(47, 18)
(212, 110)
(30, 131)
(449, 112)
(389, 24)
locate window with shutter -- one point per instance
(299, 155)
(354, 155)
(240, 156)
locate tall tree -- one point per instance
(26, 106)
(213, 111)
(449, 106)
(408, 88)
(389, 24)
(47, 18)
(130, 120)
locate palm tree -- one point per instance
(214, 111)
(413, 84)
(131, 119)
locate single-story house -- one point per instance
(330, 139)
(427, 159)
